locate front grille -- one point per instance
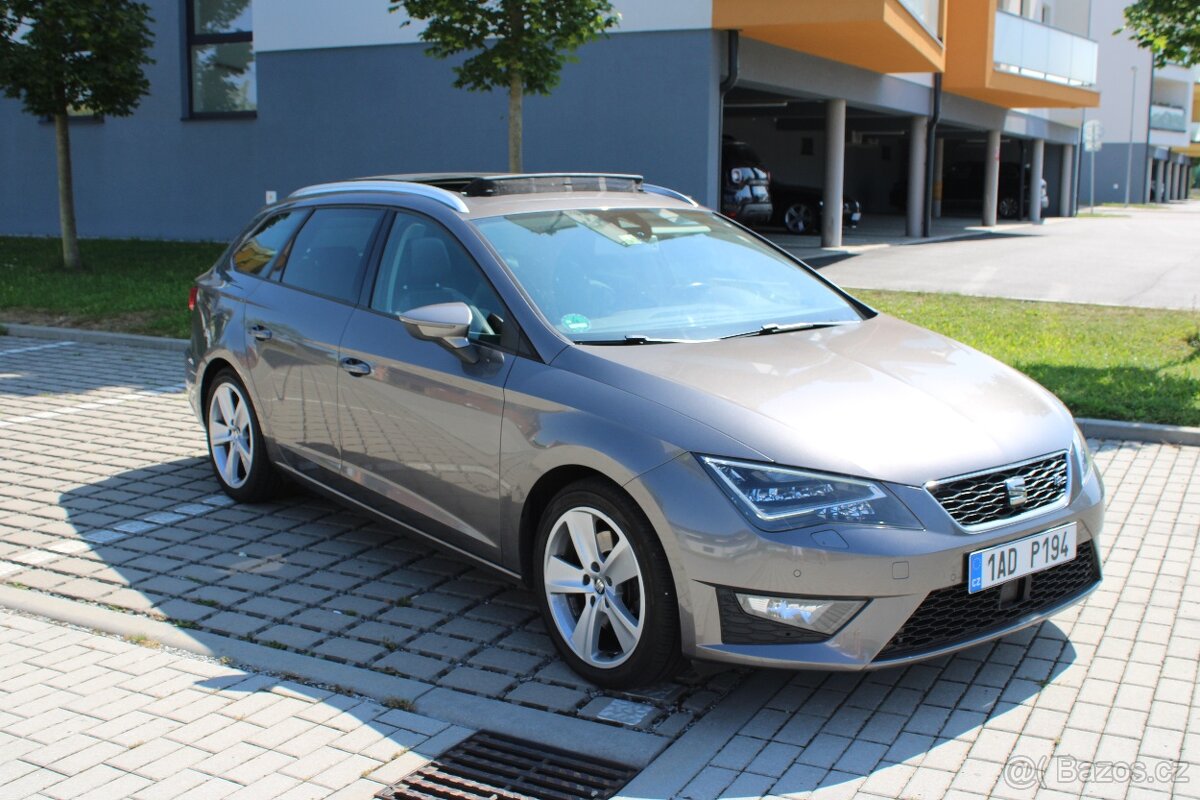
(949, 616)
(983, 498)
(488, 766)
(738, 627)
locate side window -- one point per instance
(328, 254)
(257, 254)
(424, 264)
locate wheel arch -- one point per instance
(539, 497)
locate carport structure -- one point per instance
(862, 100)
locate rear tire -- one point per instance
(236, 449)
(605, 588)
(798, 218)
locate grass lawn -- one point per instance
(1135, 364)
(127, 285)
(1112, 363)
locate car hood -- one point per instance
(881, 398)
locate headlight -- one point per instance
(778, 498)
(1083, 457)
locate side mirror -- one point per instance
(446, 324)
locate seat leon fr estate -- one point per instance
(684, 441)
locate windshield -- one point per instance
(616, 275)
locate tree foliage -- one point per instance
(59, 54)
(1170, 29)
(531, 39)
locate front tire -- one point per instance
(1007, 208)
(236, 448)
(605, 589)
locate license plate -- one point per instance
(1012, 560)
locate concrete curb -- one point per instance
(635, 748)
(94, 337)
(1139, 431)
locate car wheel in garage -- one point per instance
(605, 589)
(1007, 208)
(798, 218)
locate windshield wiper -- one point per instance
(636, 339)
(774, 327)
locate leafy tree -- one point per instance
(58, 55)
(518, 44)
(1168, 28)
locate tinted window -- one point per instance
(424, 264)
(329, 251)
(257, 254)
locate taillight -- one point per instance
(736, 175)
(192, 297)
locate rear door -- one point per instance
(421, 427)
(294, 323)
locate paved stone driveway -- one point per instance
(105, 497)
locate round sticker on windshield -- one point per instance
(576, 323)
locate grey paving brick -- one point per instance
(485, 682)
(541, 695)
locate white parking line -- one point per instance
(31, 348)
(91, 405)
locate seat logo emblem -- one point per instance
(1015, 487)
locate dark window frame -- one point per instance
(192, 39)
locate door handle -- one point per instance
(356, 367)
(261, 333)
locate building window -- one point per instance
(221, 77)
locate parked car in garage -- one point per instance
(962, 189)
(799, 208)
(684, 441)
(745, 182)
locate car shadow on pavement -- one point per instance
(304, 575)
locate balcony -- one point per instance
(1168, 118)
(879, 35)
(1015, 62)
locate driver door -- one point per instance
(420, 427)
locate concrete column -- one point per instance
(916, 176)
(939, 164)
(1066, 184)
(1149, 178)
(1170, 191)
(835, 172)
(1037, 163)
(991, 177)
(1180, 181)
(1158, 181)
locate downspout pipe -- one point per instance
(930, 145)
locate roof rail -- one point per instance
(652, 188)
(448, 199)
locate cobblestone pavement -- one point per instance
(105, 498)
(88, 717)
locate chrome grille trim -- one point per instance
(1061, 465)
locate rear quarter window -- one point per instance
(259, 251)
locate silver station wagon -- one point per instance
(684, 441)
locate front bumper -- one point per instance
(713, 550)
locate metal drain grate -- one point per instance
(487, 766)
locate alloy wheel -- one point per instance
(594, 587)
(230, 435)
(797, 218)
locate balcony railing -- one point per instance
(926, 12)
(1029, 48)
(1167, 118)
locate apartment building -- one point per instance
(251, 99)
(1149, 117)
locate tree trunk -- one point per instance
(516, 96)
(66, 193)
